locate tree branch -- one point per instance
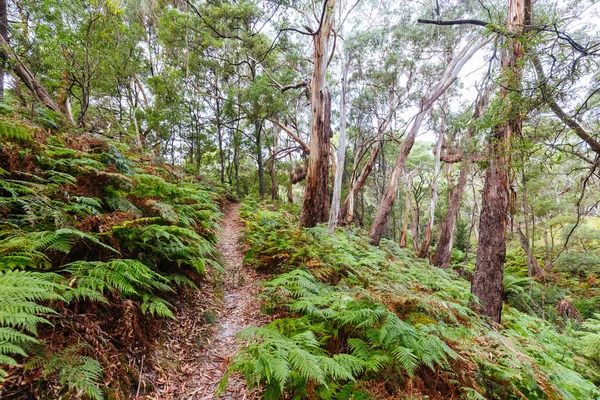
(293, 136)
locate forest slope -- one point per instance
(95, 244)
(357, 321)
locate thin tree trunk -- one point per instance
(272, 170)
(487, 283)
(64, 102)
(220, 138)
(471, 226)
(445, 244)
(415, 226)
(27, 77)
(316, 193)
(387, 201)
(274, 183)
(339, 173)
(533, 267)
(524, 239)
(290, 186)
(424, 250)
(548, 260)
(443, 252)
(3, 54)
(347, 209)
(259, 158)
(405, 216)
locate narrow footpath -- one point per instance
(197, 354)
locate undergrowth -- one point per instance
(357, 321)
(94, 242)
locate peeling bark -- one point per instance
(316, 195)
(487, 283)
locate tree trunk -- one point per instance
(3, 54)
(339, 173)
(259, 158)
(405, 216)
(389, 195)
(548, 260)
(387, 201)
(220, 138)
(316, 194)
(445, 244)
(415, 225)
(491, 250)
(64, 102)
(274, 183)
(347, 209)
(290, 186)
(424, 250)
(533, 267)
(27, 77)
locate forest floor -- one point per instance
(199, 345)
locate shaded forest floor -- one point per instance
(200, 343)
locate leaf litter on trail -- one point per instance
(200, 343)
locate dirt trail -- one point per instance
(196, 354)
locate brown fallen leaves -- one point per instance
(195, 354)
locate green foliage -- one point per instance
(583, 263)
(590, 338)
(76, 373)
(14, 131)
(22, 296)
(77, 233)
(384, 316)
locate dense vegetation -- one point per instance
(357, 321)
(432, 168)
(94, 241)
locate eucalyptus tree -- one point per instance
(447, 78)
(381, 83)
(3, 55)
(465, 153)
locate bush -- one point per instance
(351, 316)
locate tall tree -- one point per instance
(3, 55)
(487, 282)
(316, 195)
(449, 76)
(339, 172)
(424, 249)
(445, 241)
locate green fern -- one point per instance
(77, 373)
(20, 309)
(131, 278)
(14, 131)
(590, 338)
(27, 249)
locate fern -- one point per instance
(10, 130)
(590, 338)
(278, 360)
(396, 317)
(131, 278)
(79, 374)
(20, 309)
(21, 249)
